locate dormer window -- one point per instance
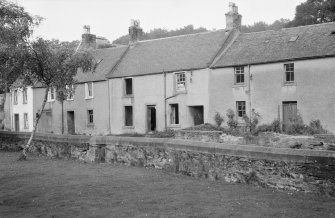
(239, 75)
(180, 81)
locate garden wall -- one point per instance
(291, 169)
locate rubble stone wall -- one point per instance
(281, 168)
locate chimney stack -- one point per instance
(233, 18)
(135, 32)
(88, 40)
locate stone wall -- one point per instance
(290, 169)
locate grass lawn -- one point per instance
(66, 188)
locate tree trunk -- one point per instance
(2, 106)
(39, 114)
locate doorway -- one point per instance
(45, 122)
(70, 123)
(290, 113)
(151, 118)
(16, 122)
(197, 113)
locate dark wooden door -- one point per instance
(151, 118)
(70, 123)
(16, 122)
(290, 112)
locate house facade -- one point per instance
(183, 81)
(279, 74)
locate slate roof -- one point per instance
(107, 58)
(272, 46)
(194, 51)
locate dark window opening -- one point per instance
(174, 116)
(128, 115)
(128, 86)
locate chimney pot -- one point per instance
(135, 31)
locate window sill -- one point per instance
(290, 84)
(88, 98)
(175, 126)
(128, 96)
(69, 99)
(238, 85)
(128, 127)
(50, 101)
(180, 92)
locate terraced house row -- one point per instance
(182, 81)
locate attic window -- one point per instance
(293, 38)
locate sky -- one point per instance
(64, 19)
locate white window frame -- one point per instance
(289, 69)
(52, 94)
(15, 96)
(239, 73)
(87, 94)
(24, 96)
(180, 81)
(89, 117)
(70, 93)
(25, 121)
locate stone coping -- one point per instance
(248, 151)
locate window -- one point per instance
(90, 119)
(89, 90)
(70, 92)
(25, 97)
(128, 112)
(25, 121)
(52, 94)
(239, 75)
(180, 81)
(174, 116)
(289, 73)
(15, 96)
(240, 108)
(128, 84)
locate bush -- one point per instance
(315, 127)
(232, 123)
(169, 133)
(273, 127)
(218, 119)
(253, 122)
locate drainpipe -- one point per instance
(109, 108)
(62, 117)
(250, 77)
(165, 121)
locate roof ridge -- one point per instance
(185, 35)
(288, 28)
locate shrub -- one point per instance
(232, 123)
(253, 122)
(169, 133)
(273, 127)
(218, 119)
(315, 127)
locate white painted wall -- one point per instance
(21, 108)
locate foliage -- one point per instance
(231, 122)
(273, 127)
(16, 26)
(169, 133)
(218, 119)
(262, 26)
(316, 127)
(253, 121)
(314, 12)
(162, 33)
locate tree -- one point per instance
(314, 12)
(158, 33)
(262, 26)
(16, 26)
(52, 64)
